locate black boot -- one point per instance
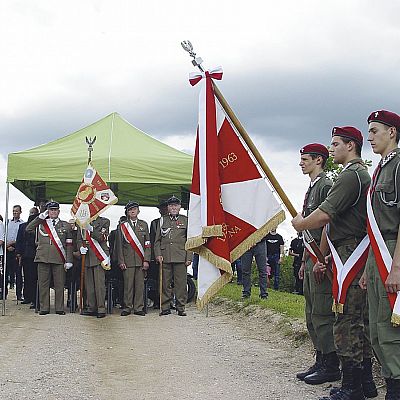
(392, 389)
(313, 368)
(329, 372)
(367, 380)
(351, 384)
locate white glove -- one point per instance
(89, 228)
(44, 214)
(83, 250)
(67, 266)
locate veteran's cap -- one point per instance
(131, 204)
(173, 200)
(52, 205)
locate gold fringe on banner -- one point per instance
(395, 320)
(258, 235)
(337, 308)
(193, 243)
(219, 262)
(212, 231)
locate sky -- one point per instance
(292, 71)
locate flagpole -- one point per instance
(90, 143)
(197, 61)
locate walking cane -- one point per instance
(160, 284)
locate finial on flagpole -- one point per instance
(90, 143)
(197, 61)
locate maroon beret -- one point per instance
(385, 117)
(315, 148)
(348, 132)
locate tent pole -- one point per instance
(5, 249)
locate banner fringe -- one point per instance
(212, 231)
(194, 243)
(258, 235)
(214, 289)
(217, 261)
(337, 308)
(395, 320)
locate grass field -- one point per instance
(287, 304)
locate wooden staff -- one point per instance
(160, 284)
(197, 61)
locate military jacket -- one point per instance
(315, 195)
(386, 197)
(171, 238)
(46, 251)
(125, 253)
(101, 227)
(346, 203)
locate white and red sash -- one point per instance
(133, 240)
(383, 259)
(98, 251)
(310, 251)
(51, 231)
(343, 275)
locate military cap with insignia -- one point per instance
(348, 132)
(173, 200)
(131, 204)
(315, 148)
(387, 118)
(52, 205)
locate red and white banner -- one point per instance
(99, 252)
(310, 251)
(133, 240)
(344, 274)
(231, 206)
(383, 259)
(92, 199)
(51, 231)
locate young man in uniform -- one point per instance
(344, 210)
(318, 295)
(53, 255)
(170, 253)
(133, 252)
(97, 260)
(383, 281)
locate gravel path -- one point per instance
(221, 356)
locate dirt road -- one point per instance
(221, 356)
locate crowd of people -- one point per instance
(47, 252)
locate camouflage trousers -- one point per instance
(351, 329)
(385, 338)
(319, 315)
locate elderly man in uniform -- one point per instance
(53, 255)
(384, 218)
(96, 253)
(170, 253)
(133, 252)
(344, 209)
(318, 295)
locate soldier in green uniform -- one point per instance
(383, 135)
(133, 252)
(318, 295)
(53, 255)
(96, 262)
(344, 210)
(169, 250)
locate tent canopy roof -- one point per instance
(137, 166)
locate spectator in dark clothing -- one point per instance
(296, 250)
(115, 274)
(25, 249)
(275, 252)
(237, 266)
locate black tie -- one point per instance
(54, 223)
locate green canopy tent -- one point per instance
(137, 166)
